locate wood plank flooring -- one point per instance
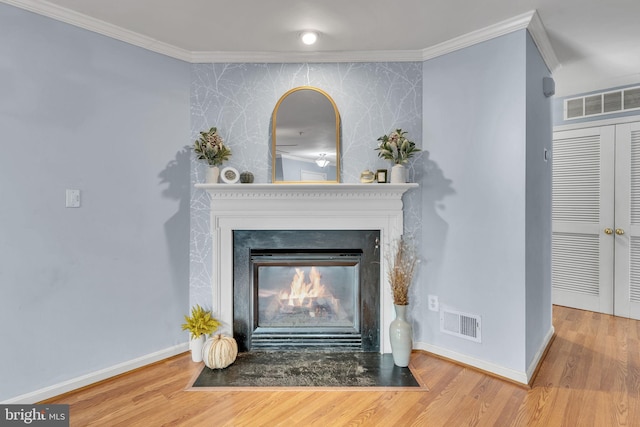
(590, 377)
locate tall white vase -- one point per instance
(196, 345)
(212, 174)
(401, 336)
(398, 174)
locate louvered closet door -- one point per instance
(583, 195)
(627, 241)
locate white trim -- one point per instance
(537, 359)
(541, 39)
(93, 377)
(529, 20)
(521, 377)
(307, 57)
(598, 123)
(512, 374)
(505, 27)
(305, 206)
(77, 19)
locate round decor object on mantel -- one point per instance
(246, 177)
(398, 174)
(401, 337)
(230, 175)
(212, 174)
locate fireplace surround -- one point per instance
(306, 289)
(300, 207)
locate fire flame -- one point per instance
(301, 291)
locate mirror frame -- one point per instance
(273, 136)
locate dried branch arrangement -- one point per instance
(401, 264)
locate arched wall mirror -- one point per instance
(305, 137)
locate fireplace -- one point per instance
(298, 207)
(307, 289)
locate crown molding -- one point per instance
(541, 39)
(516, 23)
(312, 57)
(529, 20)
(76, 19)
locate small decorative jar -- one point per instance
(367, 177)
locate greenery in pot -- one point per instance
(396, 147)
(201, 322)
(210, 147)
(401, 265)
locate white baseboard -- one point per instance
(538, 357)
(103, 374)
(521, 377)
(93, 377)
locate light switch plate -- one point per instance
(73, 198)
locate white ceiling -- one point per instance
(596, 42)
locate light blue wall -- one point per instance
(373, 99)
(85, 289)
(474, 196)
(538, 205)
(110, 281)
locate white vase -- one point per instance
(401, 337)
(398, 174)
(196, 345)
(212, 174)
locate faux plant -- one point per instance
(401, 264)
(201, 322)
(210, 147)
(396, 147)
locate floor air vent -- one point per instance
(462, 325)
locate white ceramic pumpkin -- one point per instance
(219, 351)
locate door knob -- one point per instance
(619, 231)
(608, 231)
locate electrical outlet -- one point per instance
(433, 303)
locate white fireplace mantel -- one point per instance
(300, 207)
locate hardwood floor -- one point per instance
(590, 377)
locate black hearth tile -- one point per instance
(308, 369)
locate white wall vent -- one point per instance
(602, 103)
(460, 324)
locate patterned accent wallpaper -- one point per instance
(373, 99)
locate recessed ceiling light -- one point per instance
(309, 37)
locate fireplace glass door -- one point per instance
(306, 293)
(305, 297)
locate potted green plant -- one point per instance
(210, 148)
(397, 148)
(200, 324)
